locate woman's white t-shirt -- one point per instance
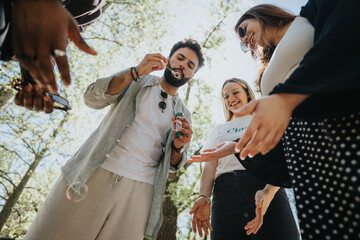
(228, 131)
(296, 42)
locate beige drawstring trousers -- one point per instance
(115, 208)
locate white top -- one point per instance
(136, 155)
(297, 41)
(228, 131)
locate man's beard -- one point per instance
(170, 78)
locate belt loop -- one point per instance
(116, 180)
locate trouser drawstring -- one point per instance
(117, 179)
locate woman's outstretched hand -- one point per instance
(222, 150)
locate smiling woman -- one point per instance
(262, 25)
(235, 94)
(234, 188)
(312, 85)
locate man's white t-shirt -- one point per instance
(228, 131)
(136, 155)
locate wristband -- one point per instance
(137, 74)
(206, 197)
(132, 75)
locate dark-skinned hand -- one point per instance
(38, 28)
(32, 98)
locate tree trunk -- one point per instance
(14, 196)
(169, 226)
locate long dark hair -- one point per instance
(268, 16)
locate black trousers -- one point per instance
(234, 206)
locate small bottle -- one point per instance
(177, 125)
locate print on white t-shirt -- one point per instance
(228, 131)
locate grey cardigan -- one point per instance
(120, 117)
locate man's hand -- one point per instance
(271, 118)
(151, 62)
(32, 98)
(263, 199)
(39, 28)
(201, 219)
(186, 130)
(222, 150)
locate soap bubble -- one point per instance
(76, 191)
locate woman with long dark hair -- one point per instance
(313, 84)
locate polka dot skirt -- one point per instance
(323, 158)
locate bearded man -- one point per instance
(126, 160)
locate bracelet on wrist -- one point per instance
(132, 74)
(137, 74)
(206, 197)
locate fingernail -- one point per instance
(65, 81)
(95, 52)
(250, 156)
(237, 150)
(242, 158)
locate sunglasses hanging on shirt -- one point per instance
(162, 103)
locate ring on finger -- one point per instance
(58, 53)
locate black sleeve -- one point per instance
(332, 64)
(270, 168)
(6, 50)
(85, 12)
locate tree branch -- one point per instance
(213, 31)
(7, 192)
(4, 176)
(105, 39)
(13, 152)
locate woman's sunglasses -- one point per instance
(242, 33)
